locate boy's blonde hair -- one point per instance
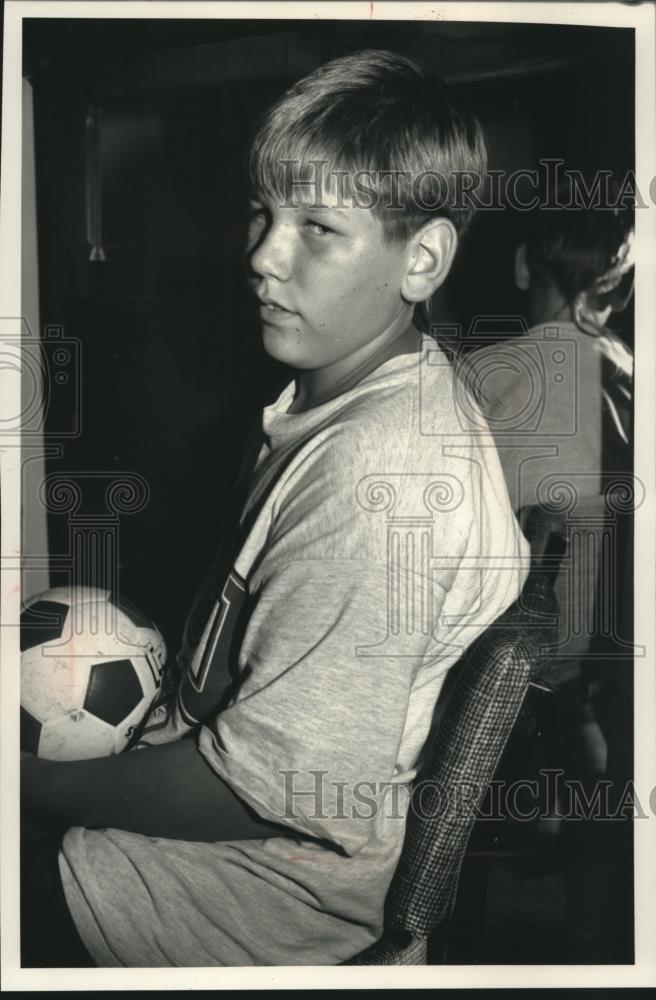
(374, 115)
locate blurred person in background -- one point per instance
(559, 403)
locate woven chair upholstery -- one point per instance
(459, 763)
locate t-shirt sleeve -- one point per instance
(319, 714)
(312, 737)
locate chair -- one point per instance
(483, 701)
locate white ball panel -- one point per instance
(52, 684)
(76, 736)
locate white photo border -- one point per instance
(641, 17)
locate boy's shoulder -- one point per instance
(400, 423)
(409, 400)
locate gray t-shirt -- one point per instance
(383, 544)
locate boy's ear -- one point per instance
(522, 273)
(431, 254)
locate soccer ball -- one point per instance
(91, 667)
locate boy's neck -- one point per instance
(323, 384)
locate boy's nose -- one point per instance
(273, 254)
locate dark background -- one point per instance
(172, 371)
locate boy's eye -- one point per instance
(318, 228)
(257, 212)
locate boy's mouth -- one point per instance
(269, 309)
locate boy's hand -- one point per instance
(34, 830)
(27, 763)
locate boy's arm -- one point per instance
(167, 791)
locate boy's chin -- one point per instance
(286, 347)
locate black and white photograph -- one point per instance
(326, 443)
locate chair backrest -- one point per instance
(461, 758)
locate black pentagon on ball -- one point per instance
(113, 691)
(42, 622)
(30, 731)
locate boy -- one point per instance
(375, 543)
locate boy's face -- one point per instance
(327, 281)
